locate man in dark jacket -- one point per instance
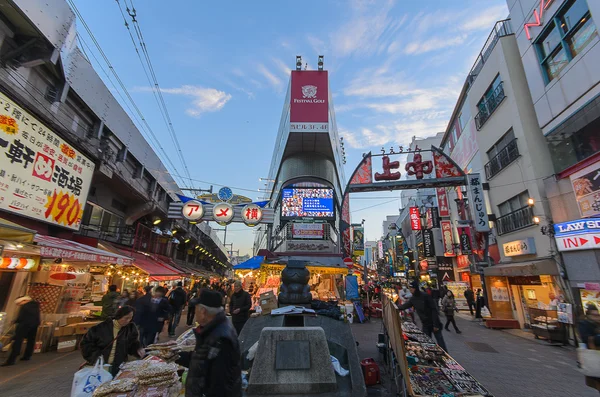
(110, 301)
(151, 311)
(470, 297)
(191, 313)
(177, 300)
(239, 306)
(215, 364)
(427, 311)
(27, 322)
(113, 339)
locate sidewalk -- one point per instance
(49, 374)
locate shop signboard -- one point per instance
(578, 242)
(42, 177)
(428, 247)
(442, 196)
(464, 237)
(309, 102)
(586, 186)
(519, 247)
(445, 270)
(312, 231)
(579, 226)
(463, 262)
(415, 218)
(447, 238)
(477, 203)
(358, 240)
(435, 218)
(380, 249)
(309, 246)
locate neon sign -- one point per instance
(537, 16)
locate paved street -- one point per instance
(518, 367)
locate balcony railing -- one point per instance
(516, 220)
(502, 160)
(501, 29)
(123, 235)
(489, 106)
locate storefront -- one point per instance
(526, 292)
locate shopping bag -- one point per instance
(589, 361)
(87, 379)
(485, 312)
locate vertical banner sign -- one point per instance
(309, 101)
(399, 248)
(380, 249)
(429, 218)
(464, 236)
(428, 247)
(415, 218)
(435, 216)
(42, 176)
(358, 240)
(442, 197)
(477, 204)
(447, 239)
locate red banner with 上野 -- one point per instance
(42, 176)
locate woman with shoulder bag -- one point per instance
(449, 307)
(114, 339)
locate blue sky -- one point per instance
(396, 69)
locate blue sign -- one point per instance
(579, 226)
(317, 205)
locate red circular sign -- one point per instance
(348, 262)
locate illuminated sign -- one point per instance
(415, 218)
(538, 17)
(307, 202)
(309, 104)
(447, 238)
(193, 210)
(42, 176)
(519, 247)
(577, 227)
(578, 242)
(223, 213)
(251, 214)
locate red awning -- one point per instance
(53, 247)
(152, 266)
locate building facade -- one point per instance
(560, 51)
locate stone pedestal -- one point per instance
(292, 360)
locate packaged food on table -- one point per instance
(115, 386)
(157, 369)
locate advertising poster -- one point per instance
(443, 206)
(42, 176)
(500, 294)
(428, 247)
(313, 203)
(586, 186)
(309, 231)
(309, 102)
(358, 240)
(464, 236)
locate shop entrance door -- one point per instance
(517, 304)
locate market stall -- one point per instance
(424, 369)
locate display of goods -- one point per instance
(115, 386)
(188, 338)
(408, 326)
(157, 369)
(545, 319)
(458, 375)
(134, 365)
(471, 388)
(421, 337)
(430, 381)
(451, 363)
(47, 295)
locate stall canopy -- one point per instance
(53, 247)
(157, 271)
(13, 232)
(251, 264)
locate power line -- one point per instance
(154, 83)
(119, 81)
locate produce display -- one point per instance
(432, 371)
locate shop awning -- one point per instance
(53, 247)
(322, 264)
(13, 232)
(251, 264)
(543, 267)
(152, 266)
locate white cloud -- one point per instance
(284, 68)
(238, 72)
(275, 81)
(318, 46)
(204, 100)
(433, 44)
(486, 19)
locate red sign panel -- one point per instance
(442, 197)
(415, 218)
(447, 239)
(309, 101)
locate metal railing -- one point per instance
(501, 29)
(502, 160)
(489, 106)
(516, 220)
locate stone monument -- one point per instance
(294, 284)
(292, 360)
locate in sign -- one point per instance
(223, 213)
(193, 210)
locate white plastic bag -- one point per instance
(337, 367)
(485, 312)
(87, 379)
(589, 361)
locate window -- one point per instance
(502, 154)
(97, 218)
(489, 102)
(515, 214)
(569, 33)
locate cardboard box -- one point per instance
(82, 328)
(67, 344)
(74, 320)
(68, 330)
(268, 302)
